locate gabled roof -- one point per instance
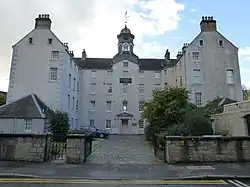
(106, 63)
(27, 107)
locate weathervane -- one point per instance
(126, 17)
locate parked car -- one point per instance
(96, 133)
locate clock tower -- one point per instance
(125, 41)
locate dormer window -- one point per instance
(125, 47)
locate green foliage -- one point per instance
(59, 125)
(246, 93)
(2, 98)
(167, 107)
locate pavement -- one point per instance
(124, 160)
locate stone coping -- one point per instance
(207, 138)
(3, 135)
(73, 136)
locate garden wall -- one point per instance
(206, 149)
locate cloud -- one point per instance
(92, 25)
(244, 54)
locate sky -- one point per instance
(93, 25)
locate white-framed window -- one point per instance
(55, 55)
(141, 124)
(201, 43)
(141, 88)
(109, 87)
(108, 124)
(73, 102)
(125, 47)
(68, 101)
(110, 72)
(141, 103)
(196, 56)
(109, 105)
(53, 74)
(92, 105)
(125, 88)
(28, 125)
(220, 43)
(125, 64)
(198, 98)
(74, 84)
(77, 105)
(230, 76)
(78, 86)
(92, 122)
(93, 88)
(157, 75)
(75, 67)
(93, 73)
(141, 73)
(69, 80)
(157, 86)
(181, 83)
(70, 63)
(125, 104)
(197, 75)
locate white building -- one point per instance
(208, 67)
(41, 64)
(109, 92)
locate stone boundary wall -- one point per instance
(22, 147)
(76, 151)
(206, 149)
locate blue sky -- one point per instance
(232, 21)
(157, 25)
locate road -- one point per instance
(14, 182)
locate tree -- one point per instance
(59, 125)
(246, 93)
(168, 107)
(2, 98)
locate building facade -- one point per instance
(109, 92)
(208, 67)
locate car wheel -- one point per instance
(101, 135)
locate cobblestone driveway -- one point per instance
(123, 149)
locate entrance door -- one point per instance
(125, 128)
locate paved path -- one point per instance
(123, 149)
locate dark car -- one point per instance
(96, 133)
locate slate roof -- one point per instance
(27, 107)
(106, 63)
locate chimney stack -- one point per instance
(167, 55)
(84, 54)
(185, 45)
(179, 54)
(66, 46)
(208, 24)
(43, 22)
(71, 53)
